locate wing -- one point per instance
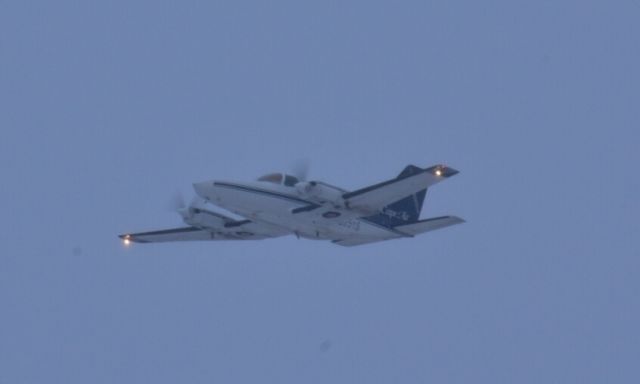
(166, 235)
(223, 230)
(370, 199)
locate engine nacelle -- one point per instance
(320, 192)
(204, 219)
(197, 215)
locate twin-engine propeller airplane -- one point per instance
(279, 204)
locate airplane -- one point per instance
(281, 204)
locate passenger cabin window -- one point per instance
(275, 178)
(290, 181)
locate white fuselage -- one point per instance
(274, 204)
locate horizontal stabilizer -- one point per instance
(357, 241)
(427, 225)
(375, 197)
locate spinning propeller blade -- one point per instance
(300, 169)
(177, 202)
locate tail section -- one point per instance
(404, 211)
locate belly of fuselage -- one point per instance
(274, 206)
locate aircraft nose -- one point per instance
(203, 189)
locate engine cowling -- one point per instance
(320, 193)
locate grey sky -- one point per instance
(106, 108)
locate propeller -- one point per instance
(177, 202)
(300, 169)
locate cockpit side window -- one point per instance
(290, 181)
(275, 178)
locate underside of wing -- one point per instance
(375, 197)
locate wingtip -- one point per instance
(451, 172)
(126, 239)
(459, 220)
(442, 170)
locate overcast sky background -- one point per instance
(107, 108)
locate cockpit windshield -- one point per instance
(279, 178)
(290, 181)
(275, 178)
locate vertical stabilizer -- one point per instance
(404, 211)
